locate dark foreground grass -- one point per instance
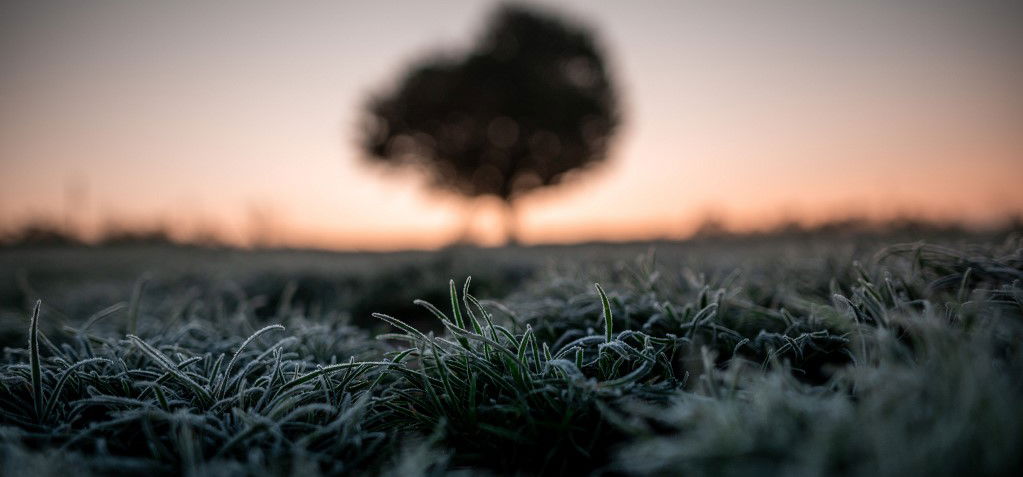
(910, 363)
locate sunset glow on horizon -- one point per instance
(239, 118)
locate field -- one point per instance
(785, 355)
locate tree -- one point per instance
(529, 104)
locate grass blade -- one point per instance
(230, 364)
(608, 319)
(33, 350)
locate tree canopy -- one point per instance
(529, 103)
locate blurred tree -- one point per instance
(530, 103)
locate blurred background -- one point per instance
(238, 122)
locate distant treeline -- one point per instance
(857, 226)
(45, 234)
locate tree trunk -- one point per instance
(464, 234)
(511, 224)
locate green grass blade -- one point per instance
(33, 350)
(608, 319)
(133, 306)
(230, 364)
(401, 325)
(456, 310)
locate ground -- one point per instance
(891, 354)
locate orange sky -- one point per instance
(242, 113)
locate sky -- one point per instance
(241, 117)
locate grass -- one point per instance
(906, 361)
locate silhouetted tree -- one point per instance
(530, 103)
